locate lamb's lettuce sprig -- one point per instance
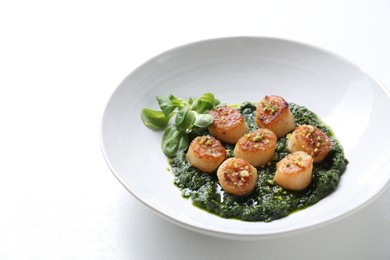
(188, 115)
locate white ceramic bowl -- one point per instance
(246, 69)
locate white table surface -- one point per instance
(59, 63)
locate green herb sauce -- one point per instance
(268, 201)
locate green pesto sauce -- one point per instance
(268, 201)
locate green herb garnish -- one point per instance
(189, 115)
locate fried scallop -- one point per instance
(236, 176)
(273, 113)
(311, 140)
(228, 125)
(257, 147)
(206, 153)
(294, 172)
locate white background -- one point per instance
(59, 63)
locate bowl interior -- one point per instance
(240, 69)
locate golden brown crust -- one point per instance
(207, 147)
(228, 124)
(295, 162)
(294, 172)
(311, 140)
(273, 113)
(257, 147)
(206, 153)
(237, 176)
(260, 139)
(270, 109)
(226, 117)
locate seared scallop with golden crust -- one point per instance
(273, 113)
(228, 125)
(294, 172)
(206, 153)
(236, 176)
(257, 147)
(311, 140)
